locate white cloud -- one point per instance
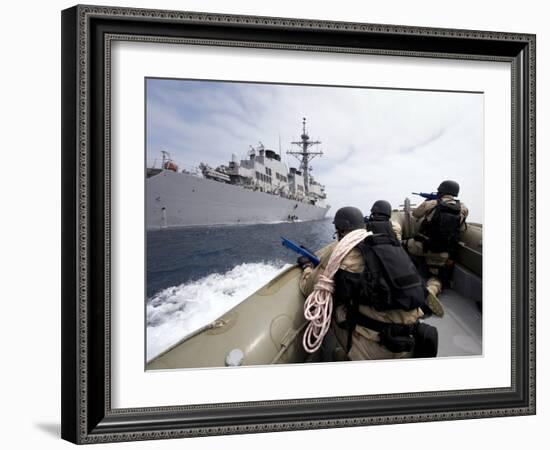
(377, 143)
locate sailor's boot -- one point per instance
(433, 302)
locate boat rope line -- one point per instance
(318, 305)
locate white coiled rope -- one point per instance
(318, 305)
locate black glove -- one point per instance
(304, 262)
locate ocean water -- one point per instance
(194, 275)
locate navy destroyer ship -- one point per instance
(259, 189)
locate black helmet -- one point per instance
(381, 208)
(348, 219)
(448, 187)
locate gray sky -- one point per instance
(377, 143)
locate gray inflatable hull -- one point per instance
(267, 328)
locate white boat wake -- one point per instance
(175, 312)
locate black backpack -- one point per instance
(390, 280)
(443, 229)
(381, 226)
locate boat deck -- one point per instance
(460, 329)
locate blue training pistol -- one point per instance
(301, 251)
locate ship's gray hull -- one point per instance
(179, 199)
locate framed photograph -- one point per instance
(283, 224)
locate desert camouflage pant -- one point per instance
(434, 261)
(362, 347)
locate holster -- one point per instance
(420, 338)
(426, 341)
(396, 339)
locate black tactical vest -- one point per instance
(381, 227)
(443, 229)
(389, 281)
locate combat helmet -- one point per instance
(448, 187)
(381, 208)
(349, 218)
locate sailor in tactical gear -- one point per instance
(380, 221)
(345, 220)
(374, 316)
(443, 219)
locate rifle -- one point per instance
(301, 250)
(427, 196)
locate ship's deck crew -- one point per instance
(443, 220)
(372, 318)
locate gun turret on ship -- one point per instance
(258, 189)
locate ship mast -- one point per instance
(165, 158)
(305, 155)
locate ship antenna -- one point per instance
(165, 157)
(305, 155)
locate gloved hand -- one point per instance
(304, 262)
(340, 316)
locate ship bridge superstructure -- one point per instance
(263, 170)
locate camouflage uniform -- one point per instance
(397, 229)
(365, 342)
(434, 261)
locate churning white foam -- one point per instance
(175, 312)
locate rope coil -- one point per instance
(318, 305)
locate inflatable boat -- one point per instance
(267, 327)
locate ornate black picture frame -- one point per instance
(87, 414)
